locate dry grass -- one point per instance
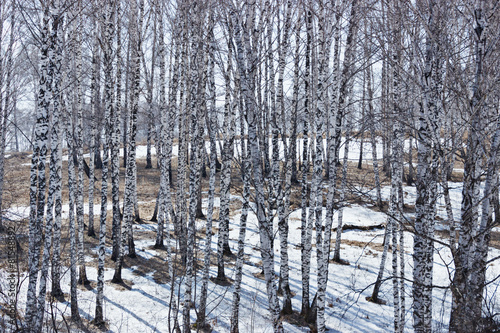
(16, 193)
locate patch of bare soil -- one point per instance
(92, 285)
(226, 282)
(125, 285)
(372, 245)
(495, 240)
(295, 318)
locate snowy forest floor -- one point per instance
(142, 304)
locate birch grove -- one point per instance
(326, 115)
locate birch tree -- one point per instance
(82, 279)
(334, 145)
(211, 119)
(426, 184)
(474, 233)
(107, 28)
(197, 89)
(246, 66)
(37, 171)
(54, 193)
(95, 93)
(115, 134)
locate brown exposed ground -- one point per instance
(16, 193)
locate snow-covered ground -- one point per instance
(145, 307)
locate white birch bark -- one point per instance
(247, 76)
(75, 315)
(107, 29)
(3, 114)
(334, 146)
(37, 173)
(338, 237)
(131, 169)
(241, 235)
(94, 102)
(162, 213)
(227, 159)
(285, 189)
(426, 182)
(115, 137)
(82, 279)
(211, 123)
(197, 89)
(306, 219)
(471, 254)
(56, 290)
(54, 193)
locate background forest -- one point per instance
(178, 147)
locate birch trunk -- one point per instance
(56, 291)
(338, 238)
(306, 221)
(285, 189)
(470, 259)
(227, 157)
(37, 173)
(94, 102)
(248, 92)
(211, 123)
(197, 89)
(426, 183)
(115, 137)
(54, 193)
(82, 279)
(334, 146)
(75, 315)
(241, 236)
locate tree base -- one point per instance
(100, 324)
(159, 246)
(340, 261)
(227, 250)
(376, 300)
(224, 281)
(117, 280)
(201, 327)
(57, 294)
(82, 280)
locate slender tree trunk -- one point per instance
(211, 123)
(75, 315)
(470, 259)
(115, 141)
(79, 145)
(247, 76)
(426, 182)
(54, 193)
(58, 107)
(306, 222)
(37, 174)
(110, 114)
(241, 236)
(95, 97)
(197, 89)
(336, 254)
(227, 158)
